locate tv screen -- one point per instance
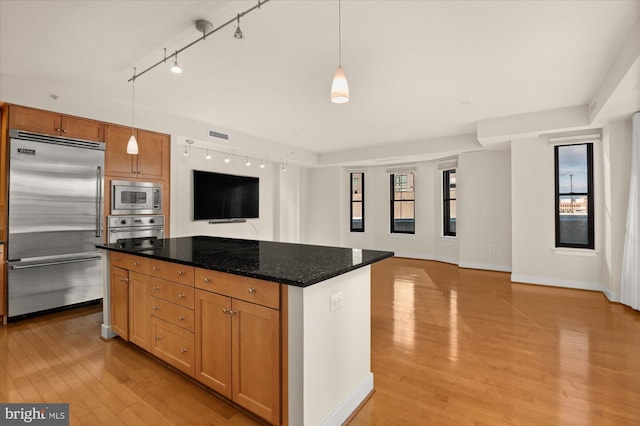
(218, 196)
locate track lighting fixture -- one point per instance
(262, 164)
(238, 34)
(132, 145)
(208, 156)
(340, 86)
(187, 146)
(175, 68)
(248, 163)
(226, 159)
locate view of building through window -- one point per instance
(574, 205)
(403, 203)
(357, 202)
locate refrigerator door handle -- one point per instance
(98, 203)
(54, 262)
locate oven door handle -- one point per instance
(137, 228)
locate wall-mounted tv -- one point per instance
(219, 196)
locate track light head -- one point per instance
(238, 34)
(175, 68)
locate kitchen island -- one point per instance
(289, 323)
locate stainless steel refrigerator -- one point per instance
(55, 222)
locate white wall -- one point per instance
(182, 223)
(322, 221)
(534, 257)
(484, 210)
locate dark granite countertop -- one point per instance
(299, 265)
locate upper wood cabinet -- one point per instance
(151, 162)
(52, 123)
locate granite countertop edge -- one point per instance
(311, 280)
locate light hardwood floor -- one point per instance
(450, 347)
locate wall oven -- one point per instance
(136, 232)
(135, 197)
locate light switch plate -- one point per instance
(336, 301)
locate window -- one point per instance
(574, 196)
(403, 203)
(357, 202)
(449, 202)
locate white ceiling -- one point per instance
(417, 70)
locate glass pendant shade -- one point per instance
(340, 87)
(132, 145)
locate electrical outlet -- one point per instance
(492, 248)
(336, 301)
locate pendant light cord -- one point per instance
(339, 35)
(133, 98)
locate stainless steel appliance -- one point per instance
(136, 232)
(135, 197)
(55, 221)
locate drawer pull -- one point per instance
(64, 130)
(206, 279)
(117, 259)
(158, 338)
(232, 312)
(252, 290)
(124, 279)
(135, 264)
(180, 296)
(180, 273)
(181, 318)
(183, 351)
(155, 268)
(156, 288)
(156, 308)
(225, 311)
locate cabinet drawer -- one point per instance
(175, 272)
(177, 293)
(130, 262)
(174, 345)
(252, 290)
(170, 312)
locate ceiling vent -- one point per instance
(218, 135)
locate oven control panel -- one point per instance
(134, 221)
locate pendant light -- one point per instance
(238, 34)
(175, 68)
(132, 145)
(339, 87)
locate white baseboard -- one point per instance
(485, 266)
(350, 403)
(106, 332)
(554, 282)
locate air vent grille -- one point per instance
(218, 135)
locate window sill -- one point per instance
(448, 237)
(575, 252)
(400, 235)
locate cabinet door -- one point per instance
(116, 160)
(139, 309)
(119, 282)
(153, 155)
(256, 359)
(34, 120)
(80, 128)
(213, 341)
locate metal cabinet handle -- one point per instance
(180, 296)
(180, 273)
(64, 130)
(158, 338)
(135, 264)
(58, 129)
(228, 311)
(155, 268)
(232, 312)
(124, 279)
(183, 351)
(252, 290)
(116, 258)
(156, 308)
(206, 279)
(181, 318)
(156, 288)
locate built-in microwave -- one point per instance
(135, 197)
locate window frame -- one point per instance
(351, 201)
(446, 203)
(590, 245)
(392, 202)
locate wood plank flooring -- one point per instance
(450, 347)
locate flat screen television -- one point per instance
(219, 196)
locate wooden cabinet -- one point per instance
(238, 343)
(2, 286)
(152, 161)
(172, 344)
(119, 302)
(130, 299)
(52, 123)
